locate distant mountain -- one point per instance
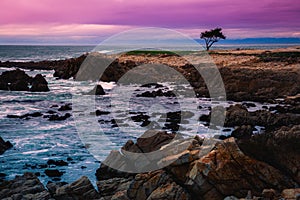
(258, 41)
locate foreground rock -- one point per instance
(199, 171)
(18, 80)
(4, 145)
(81, 189)
(27, 186)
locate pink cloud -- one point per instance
(36, 17)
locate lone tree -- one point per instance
(212, 36)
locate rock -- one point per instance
(238, 115)
(268, 194)
(290, 194)
(52, 187)
(53, 173)
(65, 107)
(19, 85)
(26, 116)
(157, 93)
(155, 185)
(277, 148)
(227, 171)
(82, 189)
(4, 145)
(27, 186)
(243, 132)
(57, 117)
(18, 80)
(108, 188)
(97, 90)
(39, 84)
(68, 68)
(57, 162)
(99, 112)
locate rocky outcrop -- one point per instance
(203, 170)
(39, 84)
(238, 115)
(18, 80)
(82, 189)
(277, 148)
(4, 145)
(27, 186)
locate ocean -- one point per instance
(37, 140)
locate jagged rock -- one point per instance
(226, 171)
(39, 84)
(4, 145)
(156, 185)
(114, 188)
(18, 80)
(82, 189)
(277, 148)
(291, 194)
(27, 186)
(52, 187)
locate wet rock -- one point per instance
(57, 162)
(68, 68)
(19, 85)
(81, 189)
(18, 80)
(57, 117)
(157, 93)
(34, 114)
(4, 145)
(39, 84)
(27, 186)
(53, 173)
(99, 112)
(65, 107)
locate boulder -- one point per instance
(82, 189)
(39, 84)
(18, 80)
(27, 186)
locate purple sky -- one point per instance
(55, 21)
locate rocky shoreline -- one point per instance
(242, 165)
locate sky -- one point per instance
(91, 21)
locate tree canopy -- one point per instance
(212, 36)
